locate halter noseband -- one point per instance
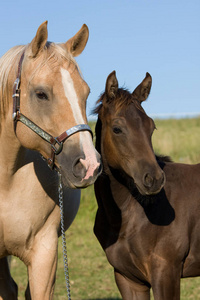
(55, 142)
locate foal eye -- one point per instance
(41, 95)
(117, 130)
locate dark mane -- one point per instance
(98, 135)
(163, 158)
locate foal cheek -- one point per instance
(110, 154)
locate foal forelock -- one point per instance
(122, 99)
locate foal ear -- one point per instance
(39, 40)
(111, 85)
(143, 89)
(77, 43)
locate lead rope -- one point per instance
(64, 245)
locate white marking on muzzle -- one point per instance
(90, 161)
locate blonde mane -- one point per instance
(9, 63)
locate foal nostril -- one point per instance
(153, 184)
(148, 180)
(78, 169)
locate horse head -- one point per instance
(126, 132)
(53, 96)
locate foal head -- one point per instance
(53, 96)
(126, 135)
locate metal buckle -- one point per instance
(15, 95)
(14, 115)
(17, 81)
(55, 149)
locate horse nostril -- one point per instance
(86, 169)
(148, 180)
(79, 170)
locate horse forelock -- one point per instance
(54, 54)
(122, 99)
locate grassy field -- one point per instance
(91, 276)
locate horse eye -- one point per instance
(117, 130)
(41, 95)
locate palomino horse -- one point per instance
(148, 207)
(46, 116)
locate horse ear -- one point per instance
(111, 85)
(142, 91)
(39, 40)
(77, 43)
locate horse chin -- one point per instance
(143, 191)
(74, 183)
(67, 183)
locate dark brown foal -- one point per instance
(148, 218)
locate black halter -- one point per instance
(55, 142)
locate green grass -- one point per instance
(178, 138)
(91, 276)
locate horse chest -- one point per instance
(129, 260)
(22, 223)
(25, 208)
(131, 252)
(32, 208)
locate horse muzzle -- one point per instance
(151, 184)
(79, 172)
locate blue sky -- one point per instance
(133, 37)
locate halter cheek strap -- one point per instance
(55, 142)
